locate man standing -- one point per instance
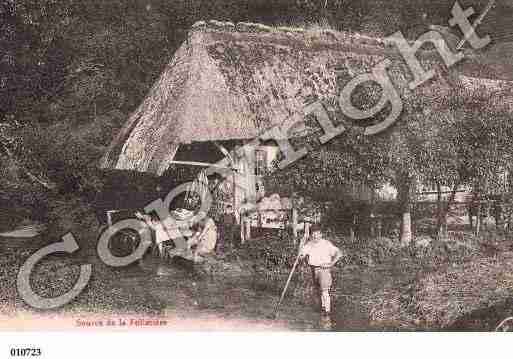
(322, 255)
(226, 230)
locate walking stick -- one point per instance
(275, 312)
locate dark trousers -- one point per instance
(228, 234)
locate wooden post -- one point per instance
(372, 226)
(245, 229)
(242, 229)
(508, 223)
(294, 225)
(234, 195)
(487, 214)
(248, 228)
(470, 217)
(351, 228)
(413, 221)
(109, 218)
(306, 234)
(478, 217)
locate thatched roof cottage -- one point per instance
(230, 82)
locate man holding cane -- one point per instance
(322, 255)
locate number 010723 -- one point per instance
(25, 352)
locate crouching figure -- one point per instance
(204, 240)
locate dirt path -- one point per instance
(187, 293)
(196, 299)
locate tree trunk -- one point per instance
(438, 210)
(372, 218)
(351, 228)
(406, 232)
(508, 223)
(478, 217)
(497, 212)
(404, 197)
(443, 220)
(487, 214)
(470, 217)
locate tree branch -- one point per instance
(46, 184)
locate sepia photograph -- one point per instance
(255, 166)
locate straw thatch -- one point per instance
(439, 300)
(231, 81)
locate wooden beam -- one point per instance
(441, 192)
(201, 164)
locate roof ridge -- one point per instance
(252, 27)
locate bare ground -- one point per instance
(397, 294)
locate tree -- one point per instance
(483, 138)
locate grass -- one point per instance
(380, 284)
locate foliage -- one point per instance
(347, 168)
(82, 66)
(483, 135)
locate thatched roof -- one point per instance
(231, 81)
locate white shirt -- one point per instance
(160, 232)
(319, 252)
